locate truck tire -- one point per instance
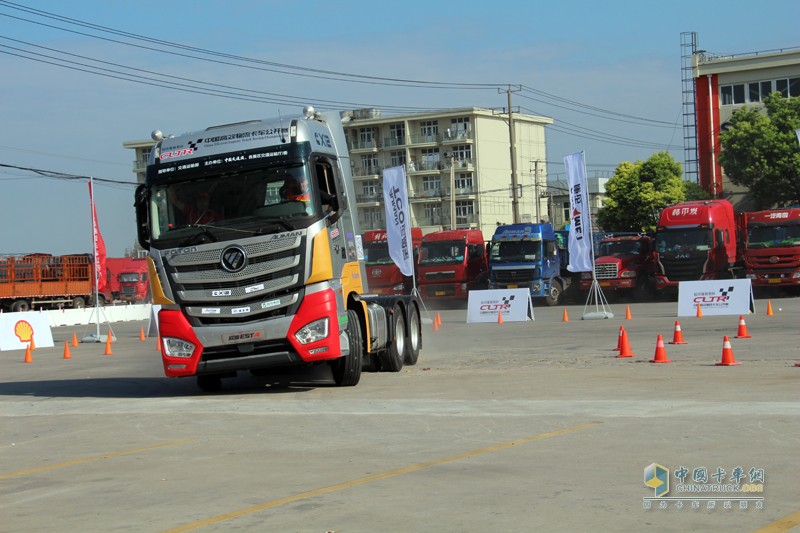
(346, 370)
(392, 356)
(209, 383)
(554, 296)
(414, 338)
(20, 306)
(78, 302)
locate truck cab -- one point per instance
(623, 264)
(695, 241)
(772, 247)
(452, 263)
(383, 274)
(528, 256)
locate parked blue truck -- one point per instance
(529, 256)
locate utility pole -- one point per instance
(536, 189)
(513, 139)
(452, 190)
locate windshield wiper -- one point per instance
(204, 232)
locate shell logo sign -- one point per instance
(16, 332)
(24, 331)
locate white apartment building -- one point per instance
(456, 160)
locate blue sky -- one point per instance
(584, 63)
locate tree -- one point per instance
(694, 191)
(638, 191)
(760, 151)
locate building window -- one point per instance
(398, 158)
(459, 127)
(370, 164)
(429, 128)
(372, 217)
(370, 189)
(433, 212)
(464, 184)
(465, 212)
(788, 87)
(462, 153)
(431, 185)
(366, 136)
(397, 132)
(429, 159)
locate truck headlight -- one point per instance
(796, 274)
(537, 287)
(586, 275)
(628, 274)
(750, 276)
(174, 347)
(312, 332)
(398, 287)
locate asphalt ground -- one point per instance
(530, 426)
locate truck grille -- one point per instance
(450, 274)
(521, 275)
(688, 269)
(271, 285)
(606, 271)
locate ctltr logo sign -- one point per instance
(657, 477)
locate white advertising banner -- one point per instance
(715, 297)
(580, 241)
(514, 305)
(398, 219)
(17, 330)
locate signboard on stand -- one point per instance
(513, 305)
(715, 297)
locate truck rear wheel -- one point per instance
(414, 338)
(78, 303)
(554, 296)
(392, 356)
(20, 306)
(346, 370)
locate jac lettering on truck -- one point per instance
(254, 260)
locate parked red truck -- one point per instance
(695, 241)
(47, 281)
(772, 247)
(452, 263)
(383, 276)
(624, 264)
(127, 279)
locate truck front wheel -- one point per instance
(414, 338)
(346, 370)
(554, 295)
(392, 357)
(20, 306)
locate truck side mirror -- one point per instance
(140, 204)
(720, 238)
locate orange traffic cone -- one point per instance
(769, 307)
(108, 345)
(141, 334)
(74, 340)
(28, 358)
(628, 313)
(33, 344)
(677, 336)
(499, 317)
(619, 340)
(699, 312)
(158, 340)
(625, 348)
(727, 353)
(67, 355)
(661, 353)
(565, 316)
(742, 332)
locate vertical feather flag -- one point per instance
(99, 245)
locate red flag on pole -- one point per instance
(99, 245)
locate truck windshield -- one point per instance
(129, 277)
(684, 240)
(377, 253)
(620, 248)
(441, 252)
(760, 236)
(516, 251)
(232, 206)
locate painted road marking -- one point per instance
(782, 524)
(374, 477)
(90, 459)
